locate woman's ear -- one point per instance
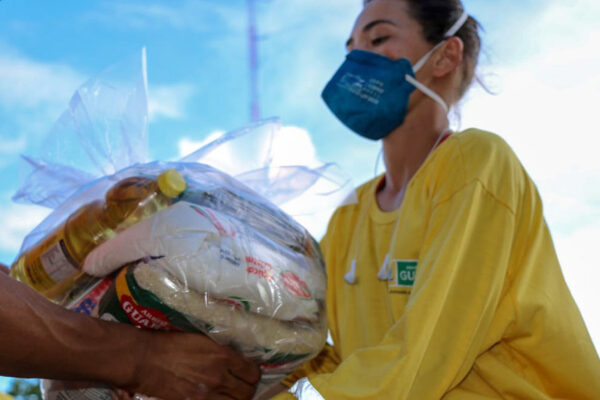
(449, 57)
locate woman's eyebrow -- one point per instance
(370, 25)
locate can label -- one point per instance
(88, 303)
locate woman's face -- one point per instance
(384, 27)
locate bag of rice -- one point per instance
(215, 254)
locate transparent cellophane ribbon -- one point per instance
(230, 257)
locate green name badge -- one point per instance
(403, 273)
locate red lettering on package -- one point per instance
(208, 214)
(144, 317)
(260, 268)
(217, 223)
(295, 285)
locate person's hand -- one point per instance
(4, 269)
(73, 346)
(180, 366)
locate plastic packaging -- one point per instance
(52, 265)
(148, 297)
(220, 261)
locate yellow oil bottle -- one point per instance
(53, 265)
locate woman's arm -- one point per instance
(41, 339)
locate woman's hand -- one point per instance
(180, 366)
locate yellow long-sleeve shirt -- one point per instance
(477, 306)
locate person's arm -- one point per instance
(459, 282)
(40, 339)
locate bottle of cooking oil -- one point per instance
(53, 265)
(136, 198)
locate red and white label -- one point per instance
(89, 302)
(144, 317)
(295, 285)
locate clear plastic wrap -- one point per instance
(216, 259)
(177, 245)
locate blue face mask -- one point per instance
(369, 93)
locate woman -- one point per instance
(443, 279)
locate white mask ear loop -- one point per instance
(457, 25)
(350, 276)
(424, 59)
(451, 32)
(383, 274)
(436, 97)
(411, 79)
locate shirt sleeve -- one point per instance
(460, 277)
(326, 362)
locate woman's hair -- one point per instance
(435, 18)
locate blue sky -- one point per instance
(539, 57)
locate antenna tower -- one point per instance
(253, 61)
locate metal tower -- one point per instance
(253, 61)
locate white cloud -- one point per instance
(304, 61)
(286, 146)
(144, 15)
(37, 92)
(11, 146)
(294, 146)
(187, 146)
(17, 221)
(168, 101)
(547, 110)
(26, 83)
(194, 15)
(580, 267)
(281, 149)
(546, 107)
(32, 96)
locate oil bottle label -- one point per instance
(58, 263)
